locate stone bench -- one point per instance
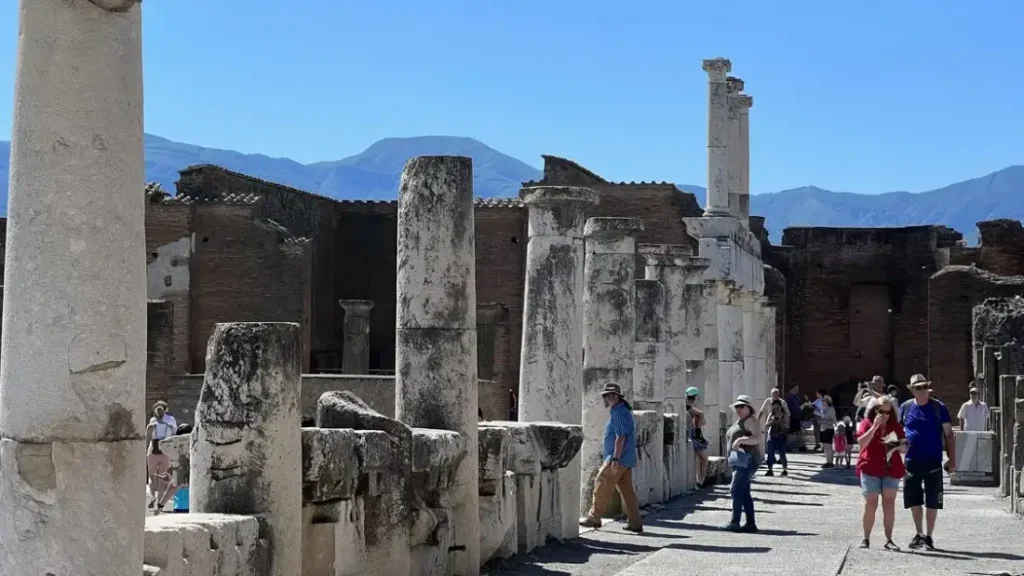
(975, 459)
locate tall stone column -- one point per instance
(435, 358)
(551, 366)
(609, 308)
(730, 345)
(683, 331)
(72, 461)
(718, 133)
(743, 105)
(649, 350)
(733, 86)
(355, 358)
(246, 454)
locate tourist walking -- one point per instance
(793, 403)
(695, 436)
(745, 438)
(973, 414)
(162, 425)
(161, 480)
(777, 426)
(839, 444)
(827, 423)
(880, 466)
(619, 459)
(766, 406)
(928, 428)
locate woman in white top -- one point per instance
(162, 425)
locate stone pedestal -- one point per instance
(435, 359)
(355, 357)
(246, 455)
(974, 465)
(718, 134)
(551, 366)
(609, 308)
(72, 462)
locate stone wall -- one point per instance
(168, 253)
(953, 293)
(1002, 247)
(159, 350)
(857, 303)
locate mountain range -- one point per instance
(373, 174)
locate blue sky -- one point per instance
(864, 96)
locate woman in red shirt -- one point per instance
(880, 466)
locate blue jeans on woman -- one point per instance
(742, 500)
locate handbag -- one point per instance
(738, 459)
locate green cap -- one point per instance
(692, 391)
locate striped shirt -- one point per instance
(620, 423)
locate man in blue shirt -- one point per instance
(928, 426)
(619, 459)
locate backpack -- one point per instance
(937, 406)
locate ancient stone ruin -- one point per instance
(417, 468)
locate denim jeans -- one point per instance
(742, 500)
(777, 445)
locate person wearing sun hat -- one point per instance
(619, 459)
(744, 440)
(929, 428)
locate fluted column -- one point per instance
(72, 460)
(609, 308)
(718, 132)
(355, 358)
(551, 366)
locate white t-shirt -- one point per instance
(975, 416)
(165, 428)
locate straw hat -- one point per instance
(919, 381)
(743, 400)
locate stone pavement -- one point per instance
(810, 526)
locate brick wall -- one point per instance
(857, 302)
(159, 350)
(303, 214)
(168, 260)
(775, 291)
(1002, 247)
(244, 270)
(501, 240)
(953, 294)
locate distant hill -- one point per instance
(960, 205)
(374, 174)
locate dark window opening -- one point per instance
(515, 240)
(206, 239)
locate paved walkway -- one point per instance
(810, 526)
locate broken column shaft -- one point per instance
(551, 365)
(355, 358)
(72, 461)
(246, 455)
(609, 309)
(435, 359)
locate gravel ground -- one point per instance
(810, 526)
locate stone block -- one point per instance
(333, 541)
(338, 464)
(215, 544)
(493, 445)
(537, 509)
(499, 536)
(540, 445)
(649, 472)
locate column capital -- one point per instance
(558, 195)
(717, 68)
(744, 103)
(733, 84)
(356, 307)
(612, 228)
(665, 254)
(116, 5)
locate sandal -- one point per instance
(865, 543)
(891, 546)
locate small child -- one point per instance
(851, 440)
(840, 444)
